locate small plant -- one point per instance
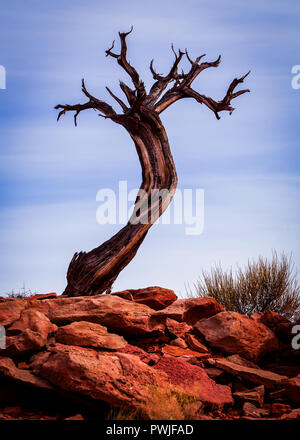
(167, 402)
(22, 294)
(261, 285)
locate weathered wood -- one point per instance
(94, 272)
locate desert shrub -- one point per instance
(261, 285)
(167, 402)
(22, 293)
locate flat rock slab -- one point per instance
(256, 376)
(155, 297)
(89, 334)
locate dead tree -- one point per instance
(94, 272)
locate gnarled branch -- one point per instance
(162, 81)
(122, 61)
(93, 103)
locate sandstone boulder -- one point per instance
(10, 310)
(250, 410)
(292, 390)
(8, 369)
(195, 344)
(179, 351)
(89, 334)
(29, 333)
(254, 396)
(293, 415)
(278, 409)
(176, 328)
(156, 298)
(280, 325)
(233, 333)
(191, 310)
(118, 379)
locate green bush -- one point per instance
(261, 285)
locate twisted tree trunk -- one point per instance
(94, 272)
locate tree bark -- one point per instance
(94, 272)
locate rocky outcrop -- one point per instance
(114, 351)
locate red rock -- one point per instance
(192, 377)
(249, 410)
(179, 342)
(278, 409)
(23, 366)
(10, 310)
(280, 325)
(118, 379)
(214, 373)
(195, 344)
(89, 334)
(254, 396)
(179, 351)
(292, 391)
(277, 395)
(8, 369)
(28, 333)
(41, 296)
(156, 298)
(239, 360)
(76, 417)
(13, 411)
(233, 333)
(117, 314)
(293, 415)
(256, 376)
(176, 328)
(148, 358)
(191, 310)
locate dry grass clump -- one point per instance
(167, 402)
(261, 285)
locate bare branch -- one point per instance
(182, 91)
(93, 103)
(119, 101)
(162, 81)
(77, 108)
(129, 93)
(122, 61)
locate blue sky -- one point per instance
(247, 163)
